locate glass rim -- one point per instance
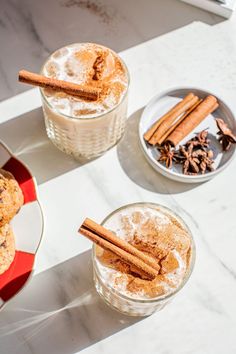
(88, 116)
(186, 276)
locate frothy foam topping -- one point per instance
(89, 64)
(157, 232)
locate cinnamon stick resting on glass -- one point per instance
(106, 239)
(82, 91)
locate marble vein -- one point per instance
(36, 36)
(231, 272)
(4, 77)
(2, 23)
(208, 300)
(26, 17)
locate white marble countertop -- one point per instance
(31, 30)
(59, 312)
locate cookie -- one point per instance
(11, 197)
(7, 248)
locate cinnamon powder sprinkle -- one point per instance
(168, 243)
(95, 7)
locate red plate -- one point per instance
(27, 226)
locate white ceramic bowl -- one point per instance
(159, 105)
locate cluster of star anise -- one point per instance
(195, 156)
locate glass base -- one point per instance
(77, 155)
(127, 307)
(85, 139)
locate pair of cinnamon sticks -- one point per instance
(178, 122)
(141, 262)
(82, 91)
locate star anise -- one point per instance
(200, 140)
(226, 137)
(190, 162)
(167, 155)
(205, 158)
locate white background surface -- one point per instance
(59, 311)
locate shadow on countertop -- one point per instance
(26, 137)
(116, 24)
(136, 166)
(60, 312)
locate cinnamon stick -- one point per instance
(111, 237)
(172, 128)
(82, 91)
(207, 106)
(164, 126)
(147, 136)
(127, 257)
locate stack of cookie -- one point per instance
(11, 200)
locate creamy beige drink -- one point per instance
(163, 236)
(80, 127)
